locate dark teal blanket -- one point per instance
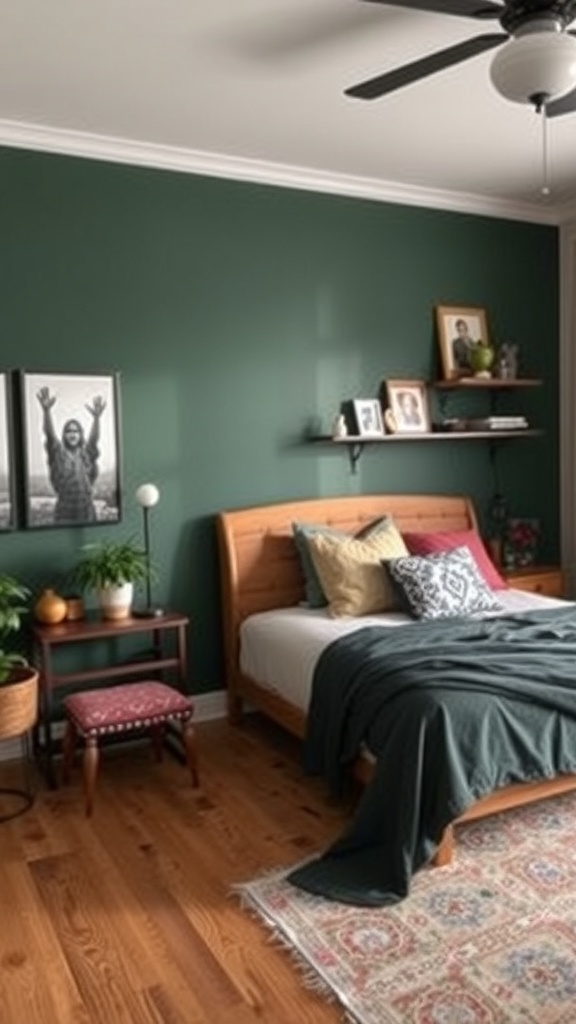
(453, 710)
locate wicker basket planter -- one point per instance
(18, 702)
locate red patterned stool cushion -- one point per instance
(131, 706)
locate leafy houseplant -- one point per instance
(18, 681)
(12, 607)
(112, 569)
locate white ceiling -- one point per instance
(255, 88)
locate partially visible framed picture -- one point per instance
(408, 404)
(460, 329)
(368, 416)
(71, 440)
(7, 490)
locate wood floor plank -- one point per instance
(139, 920)
(36, 983)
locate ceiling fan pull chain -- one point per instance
(545, 169)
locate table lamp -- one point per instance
(148, 495)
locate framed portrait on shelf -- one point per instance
(71, 449)
(408, 406)
(460, 329)
(368, 416)
(7, 489)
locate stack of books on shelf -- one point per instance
(497, 423)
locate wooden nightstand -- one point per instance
(539, 579)
(166, 635)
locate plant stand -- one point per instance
(24, 797)
(18, 714)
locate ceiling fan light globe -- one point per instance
(535, 64)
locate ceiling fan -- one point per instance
(537, 63)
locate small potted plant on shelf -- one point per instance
(18, 680)
(111, 569)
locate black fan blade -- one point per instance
(391, 80)
(462, 8)
(563, 105)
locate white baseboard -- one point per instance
(207, 706)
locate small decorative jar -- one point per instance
(50, 608)
(74, 608)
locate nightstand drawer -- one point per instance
(543, 579)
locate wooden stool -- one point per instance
(124, 709)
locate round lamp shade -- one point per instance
(147, 495)
(534, 65)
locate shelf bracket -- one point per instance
(354, 452)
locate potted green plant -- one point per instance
(18, 681)
(111, 569)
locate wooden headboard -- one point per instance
(259, 565)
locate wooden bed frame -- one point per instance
(260, 570)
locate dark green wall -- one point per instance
(238, 315)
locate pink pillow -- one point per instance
(445, 540)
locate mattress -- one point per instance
(279, 648)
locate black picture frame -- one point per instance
(7, 469)
(73, 480)
(368, 416)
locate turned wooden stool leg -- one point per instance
(157, 736)
(68, 749)
(91, 758)
(190, 747)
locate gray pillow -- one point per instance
(315, 596)
(445, 584)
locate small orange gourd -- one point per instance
(50, 608)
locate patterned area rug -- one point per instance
(491, 939)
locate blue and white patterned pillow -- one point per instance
(442, 585)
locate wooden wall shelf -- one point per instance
(355, 444)
(491, 384)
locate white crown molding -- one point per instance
(567, 214)
(98, 147)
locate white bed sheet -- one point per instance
(279, 649)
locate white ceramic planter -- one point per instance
(116, 602)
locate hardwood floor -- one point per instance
(128, 917)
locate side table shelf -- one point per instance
(168, 653)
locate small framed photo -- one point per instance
(368, 416)
(71, 442)
(7, 490)
(460, 329)
(408, 406)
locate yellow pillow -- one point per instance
(351, 572)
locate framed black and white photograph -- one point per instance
(7, 505)
(71, 439)
(368, 415)
(461, 329)
(408, 404)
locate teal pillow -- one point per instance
(315, 596)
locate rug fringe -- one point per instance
(311, 978)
